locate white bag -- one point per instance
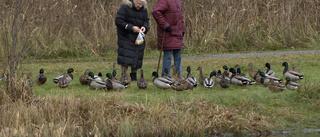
(140, 38)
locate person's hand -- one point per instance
(168, 29)
(143, 29)
(135, 29)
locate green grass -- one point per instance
(289, 110)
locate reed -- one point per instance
(77, 28)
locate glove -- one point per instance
(168, 29)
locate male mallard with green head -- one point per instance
(69, 76)
(116, 84)
(269, 71)
(265, 79)
(192, 80)
(238, 80)
(142, 83)
(96, 82)
(292, 85)
(290, 73)
(162, 82)
(41, 78)
(208, 82)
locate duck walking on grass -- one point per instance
(142, 83)
(41, 78)
(293, 75)
(201, 77)
(69, 76)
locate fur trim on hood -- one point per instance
(129, 3)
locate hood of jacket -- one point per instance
(130, 3)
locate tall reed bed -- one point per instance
(83, 28)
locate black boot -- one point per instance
(133, 76)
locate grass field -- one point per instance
(77, 110)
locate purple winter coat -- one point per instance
(169, 13)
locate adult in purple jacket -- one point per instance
(131, 17)
(169, 17)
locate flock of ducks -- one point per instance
(231, 76)
(224, 78)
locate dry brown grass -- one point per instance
(70, 116)
(87, 27)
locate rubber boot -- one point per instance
(133, 76)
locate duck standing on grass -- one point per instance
(201, 77)
(222, 80)
(69, 76)
(63, 81)
(83, 78)
(269, 71)
(252, 73)
(142, 83)
(96, 82)
(116, 84)
(192, 80)
(293, 75)
(208, 82)
(41, 78)
(125, 78)
(162, 82)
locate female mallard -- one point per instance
(293, 75)
(83, 78)
(30, 82)
(269, 71)
(208, 82)
(223, 80)
(276, 87)
(252, 73)
(125, 78)
(201, 77)
(192, 80)
(63, 81)
(182, 85)
(162, 82)
(292, 85)
(116, 84)
(96, 82)
(142, 83)
(294, 68)
(69, 76)
(41, 78)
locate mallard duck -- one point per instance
(41, 78)
(276, 87)
(292, 85)
(179, 76)
(69, 76)
(226, 71)
(290, 73)
(201, 77)
(252, 73)
(96, 82)
(63, 81)
(182, 85)
(30, 82)
(192, 80)
(125, 78)
(100, 75)
(223, 80)
(251, 82)
(265, 79)
(237, 79)
(208, 82)
(294, 68)
(83, 78)
(142, 83)
(269, 71)
(114, 74)
(162, 82)
(257, 77)
(116, 84)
